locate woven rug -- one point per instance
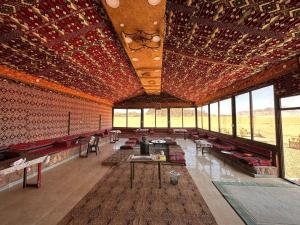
(112, 202)
(263, 204)
(117, 158)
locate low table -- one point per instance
(143, 159)
(202, 145)
(142, 131)
(33, 161)
(114, 135)
(226, 153)
(180, 131)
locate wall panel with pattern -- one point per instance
(28, 114)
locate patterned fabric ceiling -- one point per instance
(210, 44)
(69, 42)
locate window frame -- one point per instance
(234, 114)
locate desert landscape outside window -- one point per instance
(205, 117)
(149, 117)
(189, 117)
(290, 119)
(134, 118)
(199, 117)
(226, 116)
(214, 117)
(120, 118)
(176, 117)
(161, 118)
(263, 115)
(242, 103)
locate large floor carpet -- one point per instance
(112, 202)
(263, 204)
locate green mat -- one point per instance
(263, 203)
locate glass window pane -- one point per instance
(176, 117)
(134, 118)
(291, 144)
(119, 118)
(149, 117)
(189, 119)
(162, 118)
(226, 116)
(264, 115)
(199, 117)
(290, 102)
(205, 117)
(242, 104)
(214, 120)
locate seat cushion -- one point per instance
(251, 160)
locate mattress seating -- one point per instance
(176, 154)
(253, 159)
(42, 148)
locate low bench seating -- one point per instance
(51, 146)
(253, 159)
(176, 154)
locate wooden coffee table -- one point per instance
(133, 161)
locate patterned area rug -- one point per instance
(112, 202)
(263, 204)
(117, 158)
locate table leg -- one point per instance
(39, 176)
(25, 178)
(111, 137)
(159, 175)
(131, 175)
(133, 171)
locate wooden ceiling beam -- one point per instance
(284, 68)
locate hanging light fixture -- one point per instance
(156, 39)
(154, 2)
(141, 39)
(113, 3)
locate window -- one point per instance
(226, 116)
(149, 117)
(242, 103)
(119, 118)
(263, 115)
(161, 118)
(214, 117)
(199, 117)
(290, 102)
(290, 123)
(205, 117)
(189, 119)
(176, 117)
(134, 118)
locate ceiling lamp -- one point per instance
(156, 58)
(141, 39)
(113, 3)
(135, 59)
(156, 39)
(154, 2)
(128, 40)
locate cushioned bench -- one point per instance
(176, 154)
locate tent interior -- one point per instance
(149, 112)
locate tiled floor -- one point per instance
(65, 185)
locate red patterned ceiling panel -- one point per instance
(210, 45)
(66, 42)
